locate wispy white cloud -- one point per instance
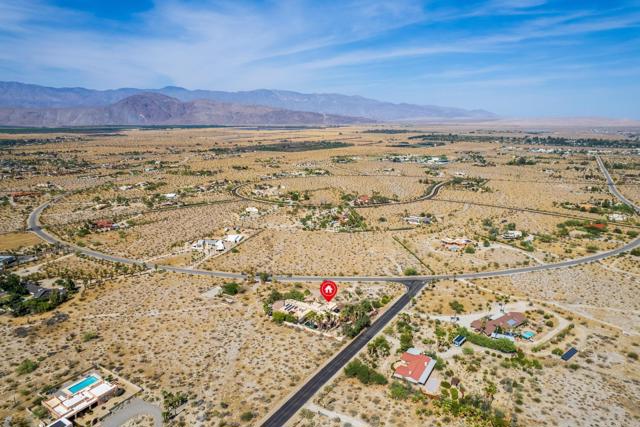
(365, 45)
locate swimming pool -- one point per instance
(83, 384)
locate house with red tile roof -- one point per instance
(414, 367)
(506, 322)
(103, 225)
(362, 200)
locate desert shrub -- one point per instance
(247, 416)
(231, 288)
(280, 317)
(399, 390)
(26, 367)
(410, 271)
(88, 336)
(365, 374)
(456, 306)
(502, 344)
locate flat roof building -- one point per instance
(234, 238)
(77, 397)
(62, 422)
(6, 260)
(301, 309)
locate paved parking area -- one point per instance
(132, 409)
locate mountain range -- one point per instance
(33, 105)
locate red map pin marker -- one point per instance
(328, 290)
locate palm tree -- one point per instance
(312, 317)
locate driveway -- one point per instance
(132, 409)
(466, 319)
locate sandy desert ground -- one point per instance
(166, 188)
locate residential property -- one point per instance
(411, 158)
(170, 196)
(38, 292)
(617, 217)
(267, 190)
(62, 422)
(512, 234)
(302, 309)
(208, 245)
(104, 225)
(234, 238)
(362, 200)
(455, 244)
(414, 367)
(503, 323)
(251, 210)
(75, 398)
(7, 261)
(19, 194)
(418, 220)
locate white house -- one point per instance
(170, 196)
(417, 220)
(234, 238)
(207, 245)
(512, 234)
(617, 217)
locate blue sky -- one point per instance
(515, 58)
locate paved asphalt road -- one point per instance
(434, 192)
(33, 223)
(612, 186)
(414, 284)
(311, 387)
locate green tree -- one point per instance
(456, 306)
(410, 271)
(231, 288)
(366, 375)
(379, 347)
(406, 341)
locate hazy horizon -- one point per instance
(530, 58)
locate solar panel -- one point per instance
(569, 354)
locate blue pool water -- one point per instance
(83, 384)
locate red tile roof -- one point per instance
(23, 193)
(103, 223)
(510, 320)
(413, 367)
(598, 225)
(364, 199)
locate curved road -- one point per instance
(414, 284)
(434, 192)
(34, 226)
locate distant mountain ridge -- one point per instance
(20, 95)
(157, 109)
